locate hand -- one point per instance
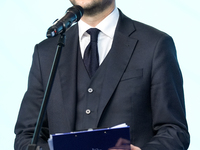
(123, 144)
(134, 147)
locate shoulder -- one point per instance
(50, 44)
(141, 30)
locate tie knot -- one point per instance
(93, 33)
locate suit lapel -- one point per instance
(118, 59)
(67, 71)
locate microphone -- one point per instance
(72, 15)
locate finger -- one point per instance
(134, 147)
(122, 141)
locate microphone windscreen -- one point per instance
(77, 10)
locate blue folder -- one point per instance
(98, 139)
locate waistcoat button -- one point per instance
(90, 90)
(88, 111)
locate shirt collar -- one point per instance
(107, 26)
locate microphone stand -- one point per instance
(60, 45)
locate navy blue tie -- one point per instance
(91, 56)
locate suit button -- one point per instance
(90, 90)
(88, 111)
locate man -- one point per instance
(138, 82)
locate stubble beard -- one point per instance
(94, 7)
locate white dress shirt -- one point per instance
(105, 38)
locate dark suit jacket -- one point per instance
(143, 87)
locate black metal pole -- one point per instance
(60, 45)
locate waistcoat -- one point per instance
(88, 95)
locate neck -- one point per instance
(94, 20)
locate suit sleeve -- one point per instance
(30, 108)
(167, 100)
